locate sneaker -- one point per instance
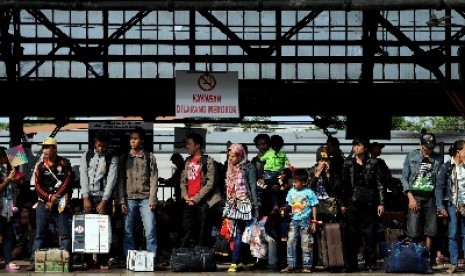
(233, 268)
(246, 267)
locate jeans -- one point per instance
(140, 207)
(43, 216)
(300, 228)
(8, 238)
(456, 232)
(241, 251)
(273, 261)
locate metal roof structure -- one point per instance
(376, 59)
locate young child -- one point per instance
(275, 161)
(302, 201)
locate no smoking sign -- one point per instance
(206, 82)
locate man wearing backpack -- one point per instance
(137, 190)
(419, 176)
(98, 174)
(53, 177)
(199, 191)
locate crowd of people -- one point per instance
(357, 191)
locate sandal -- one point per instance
(306, 270)
(13, 266)
(288, 269)
(452, 269)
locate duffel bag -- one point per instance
(196, 258)
(407, 257)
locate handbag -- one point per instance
(363, 194)
(327, 206)
(198, 258)
(240, 209)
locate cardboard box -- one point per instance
(140, 260)
(388, 217)
(52, 260)
(392, 235)
(91, 233)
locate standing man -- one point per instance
(419, 177)
(375, 152)
(363, 194)
(137, 188)
(175, 179)
(98, 174)
(199, 192)
(53, 177)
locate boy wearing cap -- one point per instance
(419, 173)
(53, 177)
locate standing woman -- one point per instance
(241, 185)
(450, 195)
(7, 178)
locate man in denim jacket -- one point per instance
(419, 175)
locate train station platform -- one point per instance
(222, 270)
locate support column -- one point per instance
(16, 129)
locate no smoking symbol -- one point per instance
(206, 82)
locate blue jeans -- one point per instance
(140, 207)
(273, 196)
(8, 238)
(241, 251)
(300, 228)
(456, 232)
(43, 216)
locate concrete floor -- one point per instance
(222, 270)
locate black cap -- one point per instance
(322, 153)
(429, 140)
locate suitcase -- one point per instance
(331, 246)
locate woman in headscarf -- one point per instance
(241, 188)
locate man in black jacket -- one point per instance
(363, 194)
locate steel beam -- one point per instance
(238, 4)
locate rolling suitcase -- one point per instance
(331, 246)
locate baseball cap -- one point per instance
(322, 153)
(377, 145)
(50, 141)
(429, 140)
